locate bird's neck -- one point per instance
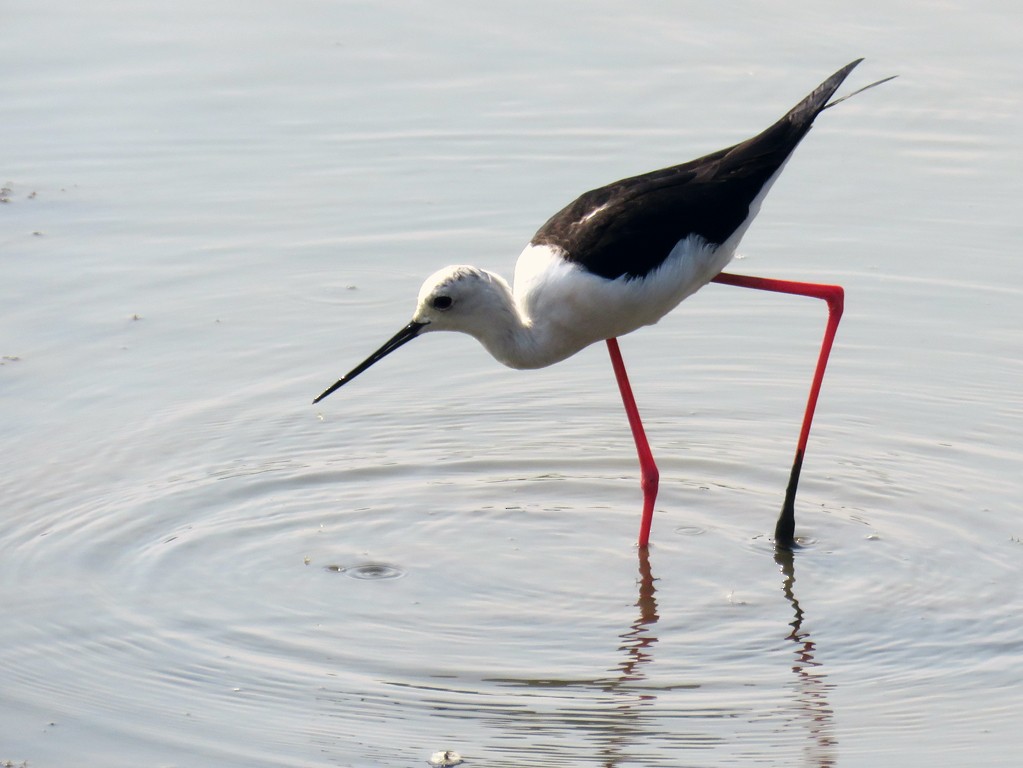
(506, 330)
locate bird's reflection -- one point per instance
(638, 642)
(812, 707)
(619, 710)
(619, 740)
(621, 728)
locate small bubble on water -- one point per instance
(446, 758)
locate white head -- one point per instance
(456, 298)
(463, 298)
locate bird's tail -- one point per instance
(830, 104)
(798, 120)
(819, 99)
(805, 111)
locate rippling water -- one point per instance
(212, 211)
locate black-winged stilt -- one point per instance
(621, 257)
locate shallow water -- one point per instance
(215, 210)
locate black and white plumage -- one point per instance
(622, 256)
(630, 227)
(618, 257)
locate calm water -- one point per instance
(215, 209)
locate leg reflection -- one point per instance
(625, 734)
(638, 642)
(812, 708)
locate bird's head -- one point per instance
(460, 298)
(456, 298)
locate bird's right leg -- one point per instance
(648, 469)
(784, 531)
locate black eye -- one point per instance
(442, 302)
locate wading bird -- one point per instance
(621, 257)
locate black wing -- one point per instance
(629, 227)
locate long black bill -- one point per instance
(403, 336)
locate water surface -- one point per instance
(214, 210)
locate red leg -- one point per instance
(834, 295)
(648, 470)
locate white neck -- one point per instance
(506, 330)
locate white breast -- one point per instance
(568, 308)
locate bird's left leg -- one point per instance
(648, 470)
(784, 531)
